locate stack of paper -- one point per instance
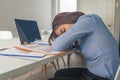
(19, 53)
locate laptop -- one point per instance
(27, 30)
(29, 34)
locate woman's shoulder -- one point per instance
(88, 17)
(91, 15)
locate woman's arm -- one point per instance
(83, 27)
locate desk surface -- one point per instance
(13, 66)
(16, 41)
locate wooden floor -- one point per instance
(38, 74)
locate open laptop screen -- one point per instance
(27, 30)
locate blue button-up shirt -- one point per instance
(96, 43)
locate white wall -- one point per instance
(39, 10)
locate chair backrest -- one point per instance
(6, 35)
(117, 76)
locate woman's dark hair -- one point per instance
(63, 18)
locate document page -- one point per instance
(20, 53)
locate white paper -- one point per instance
(21, 52)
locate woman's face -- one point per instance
(62, 28)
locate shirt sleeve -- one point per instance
(83, 27)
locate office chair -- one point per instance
(75, 51)
(6, 35)
(117, 76)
